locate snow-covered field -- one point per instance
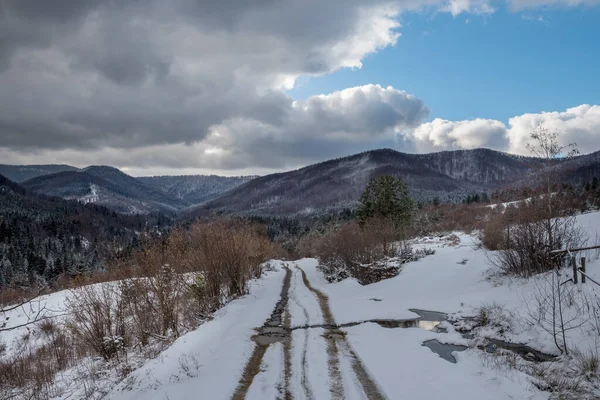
(329, 349)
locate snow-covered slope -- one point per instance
(335, 345)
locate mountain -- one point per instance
(106, 186)
(110, 187)
(136, 189)
(448, 175)
(482, 166)
(42, 237)
(21, 173)
(194, 189)
(579, 169)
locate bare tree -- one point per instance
(544, 144)
(539, 225)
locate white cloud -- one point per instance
(457, 7)
(319, 128)
(580, 125)
(441, 134)
(522, 4)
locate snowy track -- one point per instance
(347, 378)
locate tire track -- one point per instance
(274, 330)
(336, 342)
(287, 357)
(304, 373)
(370, 387)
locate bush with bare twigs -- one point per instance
(369, 253)
(522, 238)
(163, 290)
(97, 318)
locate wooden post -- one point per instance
(583, 269)
(574, 265)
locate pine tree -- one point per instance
(386, 198)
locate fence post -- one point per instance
(583, 269)
(574, 265)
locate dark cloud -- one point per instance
(193, 84)
(91, 74)
(61, 11)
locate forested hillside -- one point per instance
(44, 237)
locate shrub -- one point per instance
(96, 312)
(228, 253)
(588, 363)
(369, 253)
(164, 289)
(524, 238)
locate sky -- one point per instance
(254, 87)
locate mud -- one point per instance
(370, 387)
(272, 331)
(522, 350)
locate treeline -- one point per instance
(44, 238)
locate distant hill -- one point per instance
(105, 186)
(334, 184)
(21, 173)
(42, 237)
(195, 189)
(330, 185)
(110, 187)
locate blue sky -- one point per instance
(495, 66)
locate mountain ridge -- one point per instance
(447, 175)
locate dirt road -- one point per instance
(293, 330)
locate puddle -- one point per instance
(410, 323)
(429, 315)
(444, 350)
(428, 320)
(270, 335)
(523, 350)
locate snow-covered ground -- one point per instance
(16, 321)
(328, 348)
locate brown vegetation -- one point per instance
(159, 292)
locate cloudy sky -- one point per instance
(256, 86)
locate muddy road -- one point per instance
(345, 370)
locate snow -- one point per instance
(209, 362)
(92, 197)
(403, 366)
(271, 371)
(439, 282)
(51, 306)
(221, 347)
(313, 349)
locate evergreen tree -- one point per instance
(386, 198)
